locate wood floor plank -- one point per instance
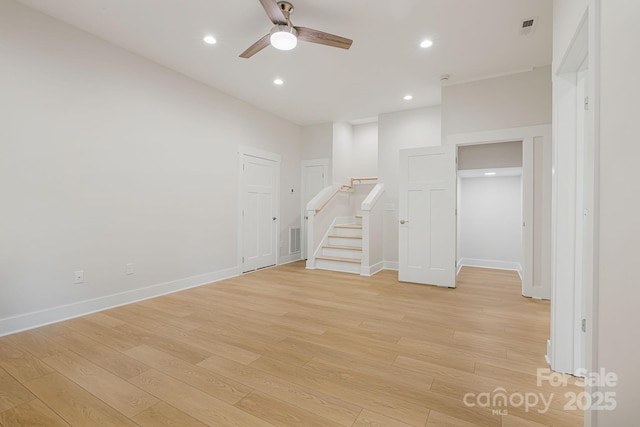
(194, 402)
(111, 389)
(112, 360)
(312, 400)
(218, 386)
(163, 414)
(371, 419)
(189, 352)
(20, 364)
(35, 343)
(12, 393)
(74, 404)
(437, 419)
(280, 413)
(359, 395)
(32, 414)
(108, 336)
(285, 346)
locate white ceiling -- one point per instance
(473, 39)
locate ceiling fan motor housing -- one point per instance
(286, 7)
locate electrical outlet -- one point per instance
(78, 277)
(129, 268)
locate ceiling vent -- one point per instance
(528, 26)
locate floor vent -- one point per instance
(294, 240)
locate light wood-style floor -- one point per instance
(291, 347)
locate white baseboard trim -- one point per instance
(23, 322)
(288, 259)
(458, 267)
(373, 269)
(490, 263)
(391, 265)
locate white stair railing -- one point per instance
(372, 221)
(321, 213)
(337, 202)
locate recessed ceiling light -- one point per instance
(489, 173)
(408, 97)
(278, 82)
(426, 43)
(210, 40)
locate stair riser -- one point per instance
(342, 241)
(342, 253)
(345, 267)
(347, 231)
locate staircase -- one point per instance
(342, 248)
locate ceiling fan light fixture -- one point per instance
(284, 37)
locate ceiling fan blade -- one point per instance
(274, 12)
(256, 47)
(320, 37)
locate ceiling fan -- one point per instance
(284, 35)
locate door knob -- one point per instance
(402, 221)
(274, 218)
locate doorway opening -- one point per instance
(490, 206)
(536, 198)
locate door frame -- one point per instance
(243, 151)
(303, 206)
(526, 135)
(575, 150)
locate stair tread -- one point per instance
(355, 226)
(348, 248)
(339, 236)
(334, 258)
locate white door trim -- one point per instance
(243, 151)
(303, 206)
(527, 135)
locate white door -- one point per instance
(427, 213)
(259, 210)
(315, 178)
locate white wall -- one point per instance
(567, 14)
(355, 151)
(342, 152)
(317, 141)
(618, 349)
(108, 159)
(483, 156)
(396, 131)
(490, 222)
(365, 150)
(516, 100)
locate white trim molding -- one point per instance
(490, 263)
(23, 322)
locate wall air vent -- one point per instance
(528, 26)
(294, 240)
